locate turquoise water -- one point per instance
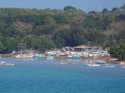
(48, 76)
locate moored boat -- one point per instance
(2, 63)
(74, 56)
(50, 57)
(66, 63)
(122, 63)
(100, 62)
(93, 65)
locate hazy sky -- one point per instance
(86, 5)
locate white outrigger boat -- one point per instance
(93, 65)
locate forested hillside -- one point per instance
(44, 29)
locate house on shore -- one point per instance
(81, 48)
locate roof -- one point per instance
(82, 46)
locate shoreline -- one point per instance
(107, 60)
(9, 55)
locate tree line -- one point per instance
(40, 30)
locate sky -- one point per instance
(85, 5)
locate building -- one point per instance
(81, 48)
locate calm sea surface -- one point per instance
(48, 76)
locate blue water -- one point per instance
(48, 76)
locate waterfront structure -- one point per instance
(81, 48)
(82, 51)
(77, 52)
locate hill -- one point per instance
(45, 29)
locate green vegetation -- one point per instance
(22, 29)
(118, 51)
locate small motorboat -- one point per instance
(93, 65)
(100, 62)
(66, 63)
(110, 66)
(2, 63)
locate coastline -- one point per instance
(107, 60)
(9, 55)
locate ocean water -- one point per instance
(48, 76)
